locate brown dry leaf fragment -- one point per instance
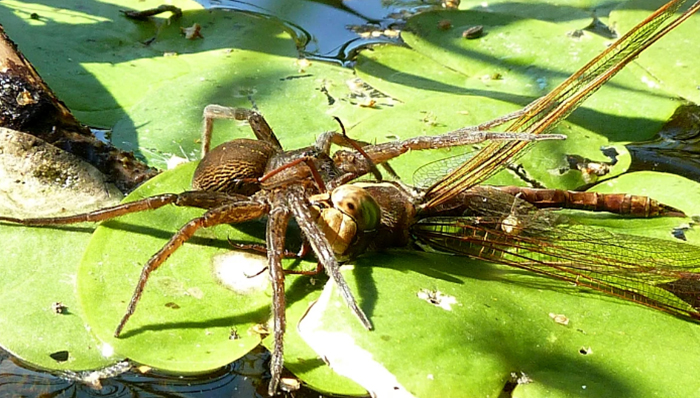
(368, 103)
(473, 32)
(444, 24)
(193, 32)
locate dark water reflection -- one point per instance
(334, 30)
(246, 377)
(675, 149)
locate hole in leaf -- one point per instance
(59, 356)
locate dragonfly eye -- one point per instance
(357, 204)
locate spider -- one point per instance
(246, 179)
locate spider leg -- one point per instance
(262, 249)
(349, 162)
(353, 143)
(262, 130)
(286, 166)
(276, 229)
(227, 214)
(502, 119)
(319, 243)
(315, 271)
(324, 141)
(205, 200)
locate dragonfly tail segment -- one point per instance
(618, 203)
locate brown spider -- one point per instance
(245, 179)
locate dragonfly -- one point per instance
(512, 226)
(492, 224)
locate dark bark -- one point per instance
(27, 104)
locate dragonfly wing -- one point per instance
(657, 273)
(427, 174)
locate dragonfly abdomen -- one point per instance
(626, 204)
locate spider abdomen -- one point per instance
(233, 167)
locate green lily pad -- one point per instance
(517, 60)
(571, 12)
(509, 57)
(186, 321)
(121, 82)
(292, 101)
(514, 67)
(494, 322)
(88, 51)
(299, 357)
(31, 328)
(665, 64)
(41, 322)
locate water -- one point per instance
(354, 24)
(246, 377)
(240, 379)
